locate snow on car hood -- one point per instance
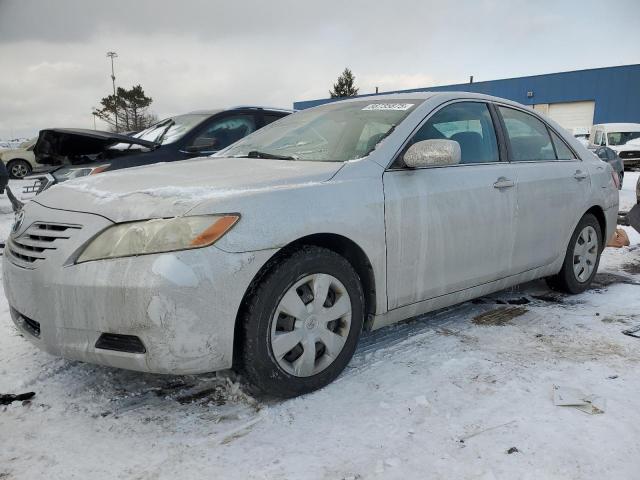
(171, 189)
(631, 145)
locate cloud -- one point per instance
(199, 54)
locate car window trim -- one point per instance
(399, 152)
(549, 128)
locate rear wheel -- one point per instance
(301, 323)
(582, 257)
(18, 169)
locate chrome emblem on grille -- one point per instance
(17, 223)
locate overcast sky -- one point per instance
(195, 54)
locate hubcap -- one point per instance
(585, 254)
(311, 325)
(19, 170)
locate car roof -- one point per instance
(241, 107)
(619, 127)
(426, 95)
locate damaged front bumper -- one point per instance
(181, 306)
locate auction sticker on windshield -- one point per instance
(388, 106)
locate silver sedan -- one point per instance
(272, 256)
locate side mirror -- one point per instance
(430, 153)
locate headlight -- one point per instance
(69, 173)
(157, 236)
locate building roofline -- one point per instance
(453, 85)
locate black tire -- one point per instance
(566, 280)
(255, 359)
(18, 169)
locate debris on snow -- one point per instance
(572, 397)
(633, 332)
(513, 450)
(619, 239)
(6, 399)
(499, 316)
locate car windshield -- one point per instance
(171, 129)
(335, 132)
(620, 138)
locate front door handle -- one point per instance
(503, 182)
(580, 175)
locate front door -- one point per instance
(450, 228)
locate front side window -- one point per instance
(223, 132)
(469, 124)
(528, 136)
(336, 132)
(621, 138)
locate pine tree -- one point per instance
(345, 86)
(131, 107)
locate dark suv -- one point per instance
(79, 152)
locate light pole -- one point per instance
(113, 55)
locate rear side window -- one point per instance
(562, 151)
(528, 136)
(469, 124)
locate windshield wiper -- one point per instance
(271, 156)
(170, 123)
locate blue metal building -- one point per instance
(574, 99)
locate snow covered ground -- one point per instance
(441, 396)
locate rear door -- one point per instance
(450, 227)
(552, 188)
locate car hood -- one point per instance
(57, 143)
(172, 189)
(629, 146)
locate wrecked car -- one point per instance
(273, 255)
(74, 153)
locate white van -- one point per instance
(623, 138)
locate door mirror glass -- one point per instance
(432, 153)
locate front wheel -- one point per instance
(301, 323)
(582, 257)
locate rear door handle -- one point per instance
(503, 182)
(580, 175)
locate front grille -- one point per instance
(630, 154)
(37, 242)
